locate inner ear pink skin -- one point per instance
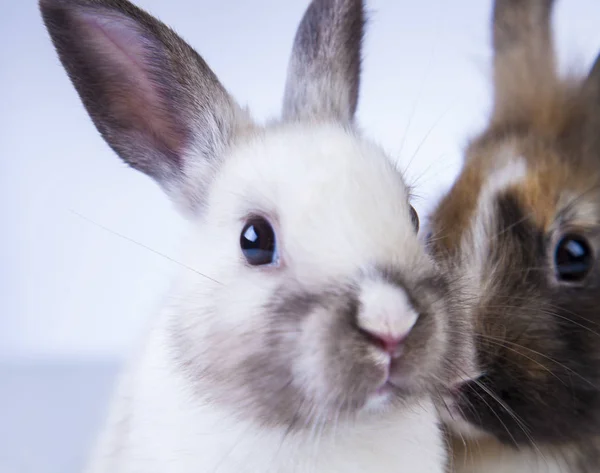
(124, 51)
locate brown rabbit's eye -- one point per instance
(257, 242)
(414, 216)
(573, 258)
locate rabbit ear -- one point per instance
(324, 69)
(524, 60)
(151, 96)
(591, 95)
(591, 85)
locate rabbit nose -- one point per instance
(385, 316)
(388, 343)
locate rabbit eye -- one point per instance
(257, 242)
(414, 216)
(573, 258)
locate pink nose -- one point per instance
(388, 343)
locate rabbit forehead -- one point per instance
(539, 177)
(329, 193)
(543, 181)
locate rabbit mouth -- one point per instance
(385, 389)
(391, 387)
(381, 398)
(398, 385)
(384, 397)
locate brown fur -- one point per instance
(539, 342)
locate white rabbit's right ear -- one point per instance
(324, 70)
(151, 96)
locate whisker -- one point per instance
(502, 404)
(417, 180)
(429, 131)
(553, 314)
(502, 343)
(141, 245)
(237, 442)
(516, 418)
(555, 307)
(569, 207)
(497, 416)
(421, 87)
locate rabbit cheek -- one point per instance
(537, 354)
(333, 367)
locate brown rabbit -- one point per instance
(520, 234)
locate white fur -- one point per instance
(336, 202)
(338, 207)
(232, 365)
(167, 429)
(479, 238)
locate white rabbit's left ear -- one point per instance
(324, 69)
(152, 97)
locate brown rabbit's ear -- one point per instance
(524, 59)
(591, 91)
(151, 96)
(591, 85)
(324, 70)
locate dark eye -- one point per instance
(414, 216)
(573, 258)
(257, 242)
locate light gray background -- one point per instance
(74, 296)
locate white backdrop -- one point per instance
(71, 288)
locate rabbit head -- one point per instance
(519, 232)
(316, 298)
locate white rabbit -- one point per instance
(319, 329)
